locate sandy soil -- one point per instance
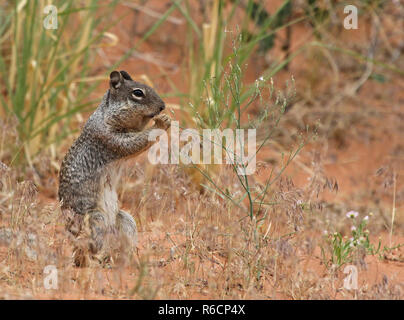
(353, 159)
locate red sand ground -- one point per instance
(353, 167)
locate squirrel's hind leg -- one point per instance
(91, 240)
(95, 241)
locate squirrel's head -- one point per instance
(132, 104)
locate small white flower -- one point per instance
(210, 101)
(258, 81)
(325, 232)
(352, 214)
(366, 218)
(353, 228)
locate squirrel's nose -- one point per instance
(162, 107)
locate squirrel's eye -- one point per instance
(137, 93)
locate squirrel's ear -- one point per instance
(115, 79)
(125, 75)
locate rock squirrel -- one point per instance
(91, 169)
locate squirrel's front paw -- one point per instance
(162, 121)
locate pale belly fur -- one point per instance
(108, 199)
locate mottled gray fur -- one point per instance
(91, 169)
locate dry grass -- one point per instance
(197, 245)
(192, 245)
